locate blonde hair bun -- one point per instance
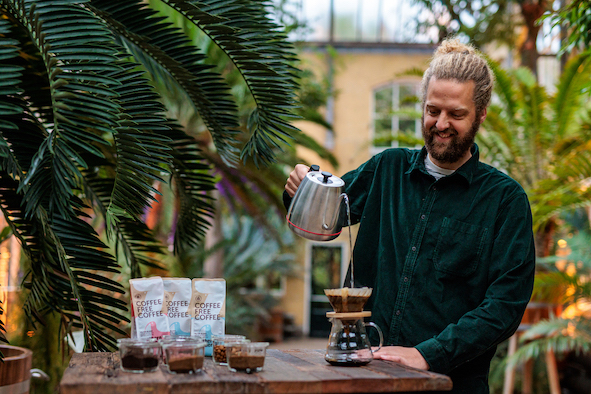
(454, 60)
(454, 45)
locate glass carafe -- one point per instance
(348, 344)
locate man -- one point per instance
(445, 241)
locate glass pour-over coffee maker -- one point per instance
(348, 344)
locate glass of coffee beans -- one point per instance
(219, 346)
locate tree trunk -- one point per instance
(544, 239)
(531, 10)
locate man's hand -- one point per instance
(403, 355)
(295, 178)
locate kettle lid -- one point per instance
(325, 178)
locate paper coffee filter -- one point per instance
(348, 299)
(348, 291)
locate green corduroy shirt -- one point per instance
(450, 261)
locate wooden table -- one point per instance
(288, 371)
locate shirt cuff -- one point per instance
(286, 200)
(435, 355)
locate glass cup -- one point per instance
(184, 355)
(219, 343)
(139, 355)
(177, 338)
(246, 356)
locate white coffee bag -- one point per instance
(208, 309)
(177, 296)
(147, 301)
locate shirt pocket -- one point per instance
(459, 247)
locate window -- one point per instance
(327, 271)
(396, 116)
(356, 20)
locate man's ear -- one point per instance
(483, 116)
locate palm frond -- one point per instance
(168, 55)
(141, 142)
(53, 173)
(504, 88)
(192, 179)
(572, 88)
(259, 50)
(132, 241)
(12, 76)
(62, 252)
(555, 334)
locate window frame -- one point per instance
(395, 119)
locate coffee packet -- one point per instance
(208, 309)
(147, 301)
(177, 296)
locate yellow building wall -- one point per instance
(356, 75)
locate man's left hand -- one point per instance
(403, 355)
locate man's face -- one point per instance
(450, 122)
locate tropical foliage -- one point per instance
(84, 134)
(564, 280)
(543, 139)
(575, 16)
(246, 187)
(253, 262)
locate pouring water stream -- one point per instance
(350, 240)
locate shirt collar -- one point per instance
(467, 170)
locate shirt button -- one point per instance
(423, 217)
(414, 248)
(406, 278)
(398, 312)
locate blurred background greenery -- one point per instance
(540, 137)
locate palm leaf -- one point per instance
(132, 239)
(60, 253)
(555, 334)
(141, 144)
(192, 179)
(262, 55)
(167, 55)
(570, 91)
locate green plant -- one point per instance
(247, 186)
(84, 133)
(575, 16)
(251, 256)
(543, 140)
(562, 279)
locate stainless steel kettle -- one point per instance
(315, 210)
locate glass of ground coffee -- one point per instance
(247, 356)
(184, 355)
(177, 338)
(139, 355)
(219, 346)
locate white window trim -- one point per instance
(395, 84)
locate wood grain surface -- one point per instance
(285, 371)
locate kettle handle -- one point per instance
(372, 324)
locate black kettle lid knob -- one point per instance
(325, 175)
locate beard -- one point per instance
(455, 149)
